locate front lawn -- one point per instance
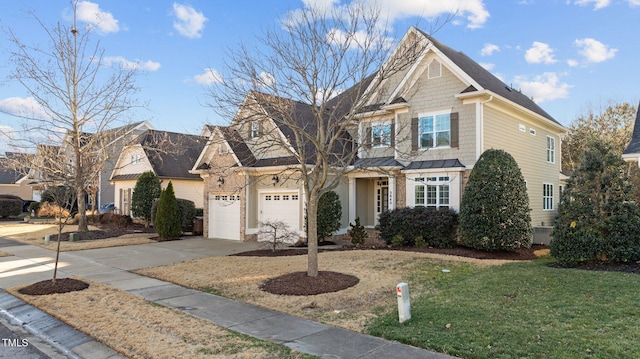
(520, 310)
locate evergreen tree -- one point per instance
(494, 212)
(168, 220)
(329, 213)
(147, 190)
(597, 218)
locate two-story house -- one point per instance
(418, 139)
(169, 155)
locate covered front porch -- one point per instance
(370, 194)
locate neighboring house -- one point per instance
(13, 181)
(112, 142)
(417, 145)
(167, 154)
(632, 152)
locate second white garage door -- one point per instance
(224, 217)
(281, 206)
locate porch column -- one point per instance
(352, 200)
(392, 192)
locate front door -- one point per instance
(382, 198)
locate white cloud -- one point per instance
(539, 53)
(474, 11)
(132, 65)
(597, 4)
(190, 22)
(208, 77)
(489, 49)
(23, 107)
(357, 39)
(572, 62)
(634, 2)
(545, 87)
(267, 79)
(90, 13)
(594, 51)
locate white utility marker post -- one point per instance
(404, 304)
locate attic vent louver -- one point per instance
(435, 69)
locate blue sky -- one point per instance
(565, 54)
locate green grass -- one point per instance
(519, 310)
(210, 290)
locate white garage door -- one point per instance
(224, 217)
(281, 206)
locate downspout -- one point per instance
(480, 127)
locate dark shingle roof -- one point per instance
(634, 145)
(448, 163)
(8, 173)
(377, 162)
(238, 146)
(172, 154)
(486, 79)
(305, 119)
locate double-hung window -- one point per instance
(547, 197)
(255, 129)
(432, 191)
(434, 131)
(551, 149)
(381, 135)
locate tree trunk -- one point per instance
(312, 235)
(82, 211)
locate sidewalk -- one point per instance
(111, 265)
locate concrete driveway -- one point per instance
(31, 264)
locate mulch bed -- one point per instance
(298, 283)
(105, 231)
(62, 285)
(633, 268)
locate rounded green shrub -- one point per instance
(146, 191)
(168, 221)
(435, 227)
(10, 206)
(329, 214)
(494, 211)
(187, 213)
(597, 218)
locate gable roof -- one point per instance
(486, 79)
(170, 154)
(304, 118)
(633, 149)
(8, 173)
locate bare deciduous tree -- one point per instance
(313, 78)
(276, 234)
(78, 97)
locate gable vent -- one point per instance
(435, 69)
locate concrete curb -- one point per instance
(62, 337)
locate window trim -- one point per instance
(254, 131)
(551, 149)
(547, 199)
(435, 131)
(384, 142)
(427, 184)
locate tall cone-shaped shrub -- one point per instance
(168, 221)
(494, 212)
